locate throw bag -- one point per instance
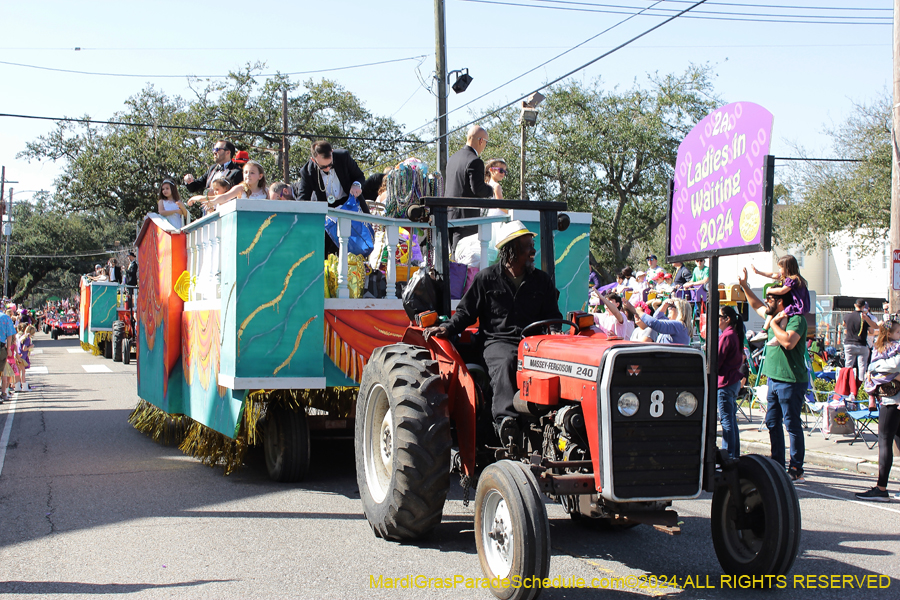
(362, 236)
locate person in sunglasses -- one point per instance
(224, 167)
(331, 175)
(495, 171)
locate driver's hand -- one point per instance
(436, 331)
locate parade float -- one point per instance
(248, 334)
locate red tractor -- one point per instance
(615, 432)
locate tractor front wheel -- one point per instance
(763, 536)
(512, 532)
(402, 442)
(54, 334)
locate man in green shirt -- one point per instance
(700, 276)
(785, 368)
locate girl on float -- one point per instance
(170, 205)
(253, 187)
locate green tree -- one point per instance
(111, 173)
(48, 241)
(610, 153)
(830, 197)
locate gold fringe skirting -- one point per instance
(213, 448)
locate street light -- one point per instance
(527, 118)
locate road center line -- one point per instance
(869, 504)
(4, 439)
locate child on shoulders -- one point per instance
(791, 283)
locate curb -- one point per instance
(823, 459)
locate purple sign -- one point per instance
(718, 203)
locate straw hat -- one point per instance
(510, 231)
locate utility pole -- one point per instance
(7, 229)
(894, 296)
(440, 51)
(3, 191)
(285, 143)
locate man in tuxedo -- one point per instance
(331, 176)
(465, 179)
(224, 152)
(113, 270)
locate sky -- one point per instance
(808, 75)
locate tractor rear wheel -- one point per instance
(512, 532)
(765, 537)
(402, 442)
(118, 333)
(107, 348)
(54, 334)
(286, 444)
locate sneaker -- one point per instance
(796, 475)
(18, 387)
(26, 388)
(875, 495)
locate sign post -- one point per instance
(720, 203)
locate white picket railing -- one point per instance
(204, 257)
(204, 249)
(392, 230)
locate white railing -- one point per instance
(392, 230)
(204, 257)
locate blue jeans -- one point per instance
(731, 436)
(785, 403)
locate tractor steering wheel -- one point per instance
(546, 323)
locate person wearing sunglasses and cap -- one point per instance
(505, 298)
(653, 268)
(223, 153)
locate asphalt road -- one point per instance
(90, 506)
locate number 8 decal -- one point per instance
(656, 404)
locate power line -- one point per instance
(560, 78)
(372, 64)
(744, 17)
(734, 4)
(312, 136)
(561, 54)
(84, 255)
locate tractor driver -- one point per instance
(505, 298)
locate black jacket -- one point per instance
(114, 273)
(465, 179)
(503, 313)
(234, 173)
(311, 185)
(131, 273)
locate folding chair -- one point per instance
(864, 419)
(813, 405)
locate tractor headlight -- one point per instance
(686, 403)
(628, 404)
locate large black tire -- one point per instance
(107, 349)
(402, 442)
(126, 352)
(769, 542)
(118, 335)
(286, 444)
(512, 532)
(54, 334)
